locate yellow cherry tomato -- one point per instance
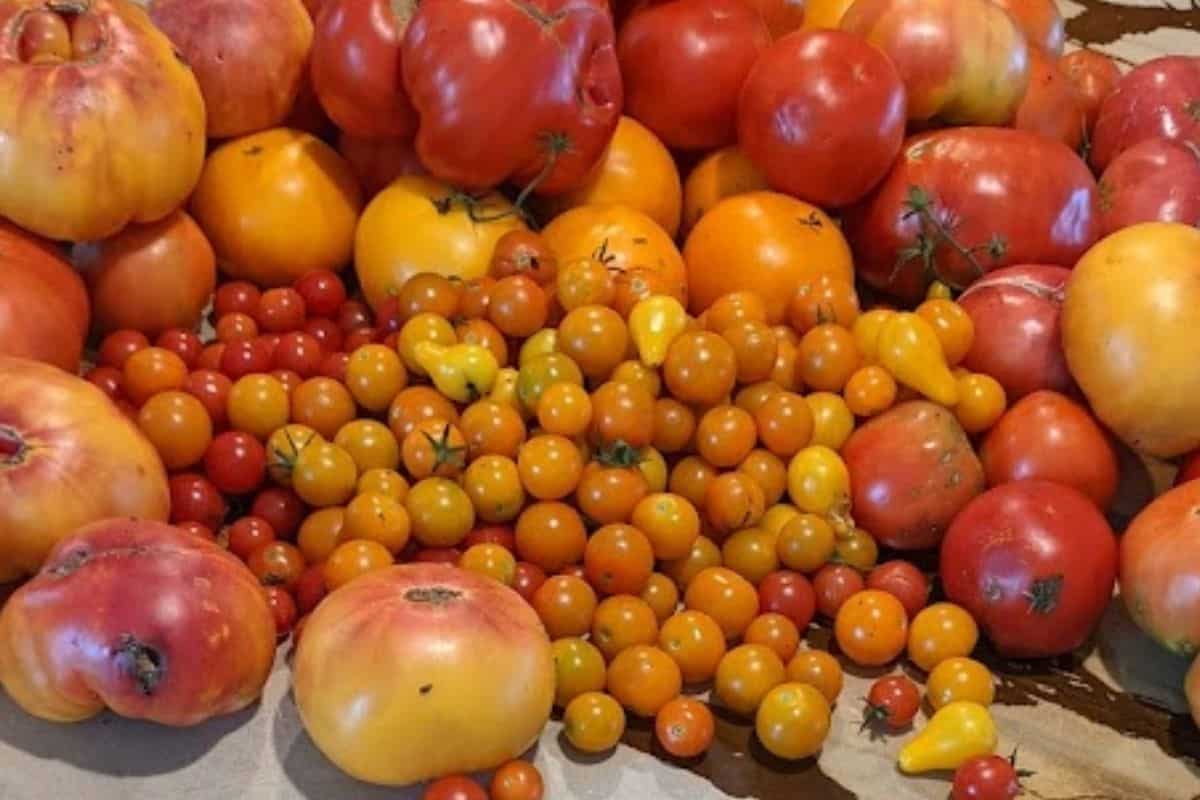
(494, 486)
(440, 511)
(654, 323)
(939, 632)
(806, 543)
(957, 733)
(638, 374)
(375, 375)
(866, 333)
(751, 554)
(258, 404)
(324, 475)
(981, 402)
(909, 348)
(378, 518)
(462, 372)
(953, 326)
(579, 667)
(543, 342)
(858, 549)
(746, 675)
(384, 481)
(423, 327)
(492, 560)
(793, 721)
(654, 469)
(593, 722)
(818, 669)
(370, 443)
(960, 679)
(776, 518)
(818, 481)
(832, 421)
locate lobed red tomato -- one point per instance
(1157, 180)
(1155, 99)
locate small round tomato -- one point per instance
(732, 501)
(195, 498)
(784, 423)
(806, 543)
(327, 334)
(819, 670)
(490, 560)
(454, 787)
(551, 535)
(566, 605)
(696, 642)
(700, 368)
(870, 390)
(434, 447)
(940, 632)
(819, 482)
(494, 485)
(662, 595)
(354, 559)
(323, 404)
(643, 679)
(517, 780)
(184, 344)
(281, 509)
(333, 365)
(669, 521)
(425, 327)
(622, 621)
(118, 346)
(417, 403)
(768, 471)
(822, 300)
(258, 405)
(502, 535)
(428, 292)
(833, 585)
(904, 581)
(730, 309)
(276, 564)
(793, 721)
(674, 425)
(953, 327)
(235, 462)
(324, 474)
(690, 479)
(755, 348)
(321, 533)
(383, 481)
(685, 727)
(746, 675)
(593, 722)
(197, 529)
(370, 443)
(638, 374)
(750, 553)
(236, 297)
(618, 559)
(981, 402)
(310, 589)
(518, 306)
(283, 608)
(683, 571)
(492, 428)
(585, 282)
(725, 596)
(377, 518)
(322, 292)
(871, 628)
(542, 372)
(776, 632)
(523, 252)
(789, 594)
(299, 352)
(441, 512)
(550, 466)
(108, 380)
(751, 398)
(248, 534)
(892, 703)
(246, 357)
(776, 518)
(375, 375)
(960, 679)
(786, 372)
(236, 327)
(595, 337)
(622, 413)
(858, 549)
(149, 371)
(725, 435)
(284, 446)
(609, 494)
(827, 357)
(986, 778)
(178, 426)
(832, 421)
(579, 667)
(565, 409)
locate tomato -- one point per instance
(827, 357)
(788, 106)
(257, 191)
(276, 564)
(281, 509)
(354, 559)
(618, 559)
(550, 466)
(765, 243)
(248, 534)
(644, 679)
(516, 780)
(494, 485)
(441, 512)
(685, 727)
(696, 643)
(492, 428)
(454, 787)
(981, 402)
(986, 778)
(280, 310)
(378, 518)
(566, 605)
(283, 446)
(784, 423)
(585, 281)
(726, 597)
(258, 405)
(958, 679)
(502, 535)
(662, 595)
(322, 291)
(595, 337)
(579, 668)
(491, 560)
(871, 390)
(903, 581)
(732, 501)
(149, 371)
(1013, 219)
(690, 479)
(805, 543)
(434, 447)
(108, 380)
(1154, 181)
(235, 462)
(518, 306)
(194, 498)
(565, 409)
(321, 533)
(745, 676)
(197, 529)
(1155, 99)
(683, 64)
(283, 609)
(550, 535)
(776, 632)
(793, 721)
(523, 252)
(832, 420)
(619, 239)
(1051, 106)
(1034, 563)
(622, 414)
(298, 352)
(324, 404)
(609, 494)
(118, 346)
(703, 554)
(324, 474)
(750, 553)
(236, 326)
(871, 628)
(622, 621)
(941, 632)
(1094, 76)
(819, 482)
(370, 443)
(178, 426)
(725, 435)
(776, 518)
(568, 90)
(857, 548)
(700, 368)
(593, 722)
(374, 376)
(823, 299)
(819, 670)
(383, 481)
(670, 522)
(184, 344)
(542, 372)
(246, 357)
(892, 702)
(789, 594)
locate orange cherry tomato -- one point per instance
(806, 543)
(565, 409)
(491, 560)
(435, 447)
(700, 368)
(819, 670)
(685, 727)
(593, 722)
(353, 559)
(384, 481)
(674, 425)
(618, 559)
(517, 780)
(858, 549)
(638, 374)
(424, 327)
(871, 628)
(755, 346)
(696, 642)
(429, 292)
(324, 405)
(745, 675)
(492, 428)
(643, 679)
(257, 404)
(776, 632)
(869, 391)
(786, 372)
(595, 337)
(152, 370)
(441, 512)
(733, 501)
(620, 622)
(793, 721)
(827, 357)
(518, 306)
(566, 605)
(726, 435)
(609, 494)
(579, 667)
(178, 426)
(622, 412)
(726, 596)
(823, 299)
(585, 282)
(735, 307)
(417, 403)
(785, 423)
(704, 554)
(551, 535)
(981, 402)
(690, 479)
(377, 518)
(494, 485)
(370, 443)
(662, 595)
(953, 326)
(320, 533)
(669, 521)
(375, 375)
(750, 553)
(768, 471)
(832, 421)
(550, 466)
(940, 632)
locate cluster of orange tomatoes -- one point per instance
(656, 486)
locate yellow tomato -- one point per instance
(960, 679)
(638, 171)
(370, 443)
(819, 14)
(418, 224)
(378, 518)
(722, 174)
(832, 421)
(277, 204)
(818, 481)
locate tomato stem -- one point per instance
(142, 662)
(12, 446)
(935, 233)
(437, 595)
(443, 451)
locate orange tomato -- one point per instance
(939, 633)
(622, 412)
(669, 521)
(620, 622)
(721, 174)
(494, 485)
(704, 554)
(785, 423)
(644, 679)
(690, 478)
(700, 368)
(763, 242)
(732, 308)
(609, 494)
(579, 667)
(745, 675)
(377, 518)
(662, 595)
(491, 560)
(550, 466)
(776, 632)
(768, 471)
(870, 390)
(674, 424)
(565, 604)
(418, 403)
(750, 553)
(435, 447)
(354, 559)
(618, 559)
(696, 642)
(871, 628)
(732, 501)
(726, 596)
(756, 348)
(324, 405)
(726, 435)
(320, 533)
(823, 299)
(550, 535)
(685, 727)
(819, 670)
(565, 409)
(827, 357)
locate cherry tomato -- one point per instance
(551, 535)
(618, 559)
(235, 462)
(565, 604)
(685, 727)
(565, 409)
(118, 346)
(834, 584)
(869, 391)
(960, 679)
(258, 405)
(281, 509)
(776, 632)
(417, 403)
(674, 425)
(904, 581)
(638, 374)
(669, 521)
(378, 518)
(986, 778)
(725, 435)
(428, 292)
(579, 667)
(235, 297)
(211, 388)
(438, 555)
(542, 372)
(502, 535)
(819, 670)
(374, 376)
(690, 479)
(322, 292)
(310, 589)
(333, 365)
(892, 703)
(725, 596)
(643, 679)
(786, 372)
(789, 594)
(745, 675)
(981, 402)
(280, 310)
(326, 332)
(550, 466)
(522, 252)
(276, 564)
(494, 485)
(434, 447)
(149, 371)
(593, 722)
(490, 560)
(806, 543)
(320, 533)
(609, 494)
(732, 501)
(197, 529)
(768, 471)
(595, 337)
(424, 327)
(323, 404)
(454, 787)
(793, 721)
(750, 553)
(622, 413)
(324, 474)
(517, 780)
(299, 352)
(195, 498)
(108, 380)
(384, 481)
(827, 357)
(662, 595)
(735, 307)
(370, 443)
(518, 306)
(871, 628)
(832, 420)
(248, 534)
(953, 326)
(700, 368)
(824, 299)
(696, 642)
(246, 357)
(776, 517)
(704, 554)
(622, 621)
(236, 327)
(184, 344)
(940, 632)
(585, 282)
(178, 426)
(527, 579)
(784, 423)
(492, 428)
(283, 608)
(354, 559)
(441, 512)
(858, 549)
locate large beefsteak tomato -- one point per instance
(1157, 180)
(1160, 98)
(529, 91)
(43, 305)
(964, 201)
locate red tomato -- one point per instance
(1034, 563)
(684, 62)
(1051, 106)
(893, 702)
(310, 589)
(833, 585)
(184, 344)
(298, 352)
(1155, 99)
(810, 100)
(326, 332)
(240, 297)
(557, 64)
(118, 346)
(911, 470)
(903, 581)
(788, 593)
(492, 534)
(527, 579)
(1094, 76)
(283, 609)
(43, 303)
(280, 310)
(194, 498)
(1048, 436)
(1156, 180)
(1038, 205)
(236, 462)
(211, 388)
(454, 787)
(108, 379)
(986, 778)
(248, 534)
(356, 67)
(245, 356)
(281, 509)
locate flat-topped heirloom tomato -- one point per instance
(528, 91)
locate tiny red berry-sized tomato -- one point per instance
(892, 703)
(987, 778)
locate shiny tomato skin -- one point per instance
(1051, 106)
(235, 462)
(1094, 76)
(454, 787)
(1155, 99)
(1157, 180)
(788, 593)
(986, 778)
(911, 470)
(1034, 563)
(903, 581)
(833, 585)
(814, 97)
(893, 701)
(683, 63)
(1030, 197)
(559, 67)
(1047, 435)
(194, 498)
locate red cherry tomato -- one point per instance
(184, 344)
(283, 608)
(454, 787)
(236, 462)
(280, 310)
(788, 593)
(299, 352)
(107, 379)
(236, 297)
(892, 703)
(282, 510)
(833, 586)
(194, 498)
(326, 332)
(211, 388)
(986, 778)
(492, 534)
(310, 589)
(248, 534)
(120, 345)
(322, 291)
(903, 581)
(197, 529)
(246, 356)
(527, 579)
